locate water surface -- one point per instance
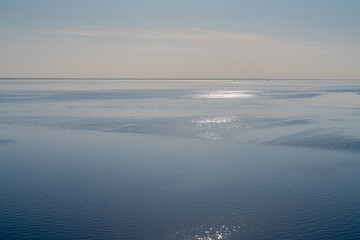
(179, 159)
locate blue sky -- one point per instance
(173, 38)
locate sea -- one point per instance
(179, 159)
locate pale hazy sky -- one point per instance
(180, 38)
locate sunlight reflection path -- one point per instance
(226, 94)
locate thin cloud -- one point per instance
(222, 40)
(78, 33)
(200, 34)
(161, 49)
(176, 39)
(181, 34)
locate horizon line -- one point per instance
(164, 78)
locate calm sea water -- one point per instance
(179, 159)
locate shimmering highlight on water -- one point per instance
(226, 94)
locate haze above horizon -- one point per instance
(180, 39)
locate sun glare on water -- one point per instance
(226, 94)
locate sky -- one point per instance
(180, 38)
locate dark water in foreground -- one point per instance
(158, 159)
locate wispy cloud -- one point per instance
(171, 52)
(170, 39)
(77, 32)
(199, 34)
(202, 34)
(181, 34)
(239, 41)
